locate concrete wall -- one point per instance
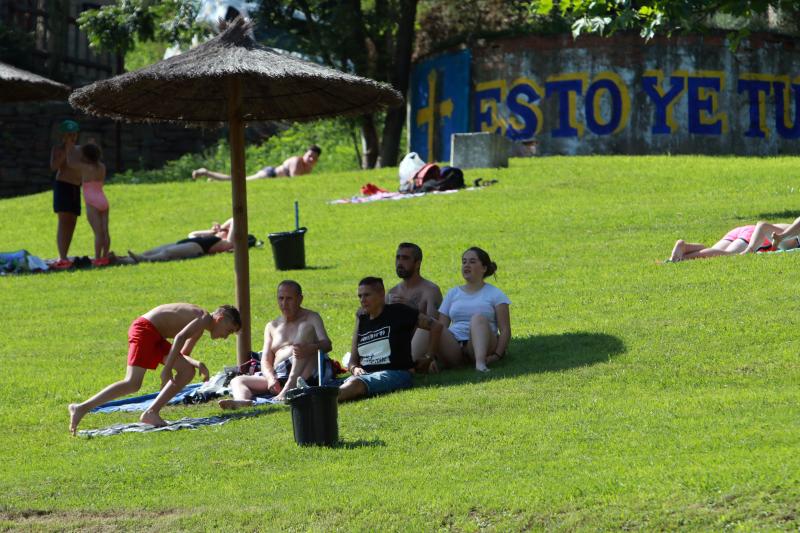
(28, 131)
(620, 95)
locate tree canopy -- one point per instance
(653, 17)
(117, 27)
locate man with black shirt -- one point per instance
(380, 358)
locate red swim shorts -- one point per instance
(146, 347)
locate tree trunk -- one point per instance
(369, 142)
(393, 124)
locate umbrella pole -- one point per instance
(239, 197)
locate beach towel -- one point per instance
(183, 423)
(140, 403)
(393, 196)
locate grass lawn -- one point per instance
(636, 395)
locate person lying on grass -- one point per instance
(476, 315)
(216, 240)
(734, 242)
(380, 360)
(148, 348)
(780, 235)
(294, 166)
(290, 347)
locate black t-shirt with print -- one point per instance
(384, 343)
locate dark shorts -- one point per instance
(66, 198)
(270, 172)
(205, 242)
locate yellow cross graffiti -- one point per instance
(430, 115)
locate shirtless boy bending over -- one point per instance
(291, 340)
(148, 347)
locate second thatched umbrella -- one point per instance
(17, 85)
(233, 79)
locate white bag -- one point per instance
(409, 167)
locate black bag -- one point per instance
(451, 178)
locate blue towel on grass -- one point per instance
(183, 423)
(140, 403)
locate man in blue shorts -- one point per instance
(380, 359)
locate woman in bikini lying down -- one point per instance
(202, 242)
(736, 241)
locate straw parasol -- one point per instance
(17, 85)
(233, 79)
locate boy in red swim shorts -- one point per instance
(148, 347)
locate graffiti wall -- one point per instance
(616, 95)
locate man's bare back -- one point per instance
(170, 319)
(425, 296)
(58, 162)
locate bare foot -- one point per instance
(677, 251)
(493, 358)
(234, 404)
(776, 240)
(199, 172)
(75, 415)
(152, 418)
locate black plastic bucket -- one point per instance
(315, 415)
(289, 249)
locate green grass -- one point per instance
(636, 395)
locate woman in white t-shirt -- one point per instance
(475, 315)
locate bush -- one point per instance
(336, 137)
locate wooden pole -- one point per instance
(239, 197)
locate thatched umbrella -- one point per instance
(17, 85)
(233, 79)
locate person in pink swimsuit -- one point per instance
(94, 174)
(734, 242)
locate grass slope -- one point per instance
(636, 395)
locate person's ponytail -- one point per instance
(483, 257)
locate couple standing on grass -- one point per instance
(383, 354)
(78, 166)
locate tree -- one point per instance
(117, 27)
(651, 17)
(372, 39)
(445, 23)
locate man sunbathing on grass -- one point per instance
(290, 347)
(148, 347)
(380, 358)
(294, 166)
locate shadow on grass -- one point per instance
(360, 443)
(540, 353)
(789, 213)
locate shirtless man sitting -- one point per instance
(418, 293)
(291, 340)
(294, 166)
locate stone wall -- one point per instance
(616, 95)
(28, 131)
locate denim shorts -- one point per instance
(384, 381)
